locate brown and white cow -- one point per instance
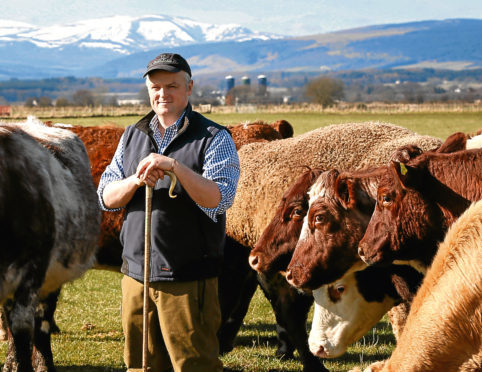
(443, 330)
(49, 218)
(349, 307)
(417, 202)
(340, 207)
(275, 247)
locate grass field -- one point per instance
(436, 124)
(89, 309)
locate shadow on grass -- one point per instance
(85, 369)
(270, 341)
(88, 369)
(259, 334)
(353, 357)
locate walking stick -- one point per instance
(147, 267)
(147, 271)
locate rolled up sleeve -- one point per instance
(221, 165)
(113, 172)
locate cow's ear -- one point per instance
(402, 173)
(344, 192)
(454, 142)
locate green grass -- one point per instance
(91, 338)
(89, 309)
(436, 124)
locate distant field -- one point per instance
(436, 124)
(89, 309)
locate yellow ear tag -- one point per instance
(403, 169)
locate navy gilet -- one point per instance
(185, 243)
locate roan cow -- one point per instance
(49, 218)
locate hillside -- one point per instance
(111, 51)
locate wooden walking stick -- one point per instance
(147, 271)
(147, 267)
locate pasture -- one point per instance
(89, 309)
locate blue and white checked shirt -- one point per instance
(221, 165)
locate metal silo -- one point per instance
(229, 82)
(245, 80)
(262, 84)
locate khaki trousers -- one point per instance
(184, 318)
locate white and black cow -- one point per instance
(348, 308)
(49, 223)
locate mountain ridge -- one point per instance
(122, 45)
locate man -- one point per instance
(187, 232)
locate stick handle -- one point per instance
(147, 271)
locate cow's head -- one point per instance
(275, 247)
(339, 211)
(348, 308)
(403, 220)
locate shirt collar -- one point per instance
(154, 123)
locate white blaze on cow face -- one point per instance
(317, 190)
(342, 316)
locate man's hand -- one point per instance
(152, 168)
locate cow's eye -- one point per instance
(319, 218)
(386, 200)
(340, 289)
(297, 214)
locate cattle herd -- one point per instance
(360, 218)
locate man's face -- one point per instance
(168, 94)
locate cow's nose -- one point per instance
(361, 252)
(289, 276)
(319, 352)
(254, 262)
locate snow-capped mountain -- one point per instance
(124, 34)
(121, 46)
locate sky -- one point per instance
(291, 18)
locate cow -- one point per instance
(340, 207)
(416, 203)
(50, 221)
(259, 131)
(276, 244)
(350, 306)
(443, 328)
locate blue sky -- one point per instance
(300, 17)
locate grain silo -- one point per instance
(262, 84)
(229, 82)
(245, 80)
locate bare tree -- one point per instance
(45, 101)
(62, 102)
(83, 97)
(325, 90)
